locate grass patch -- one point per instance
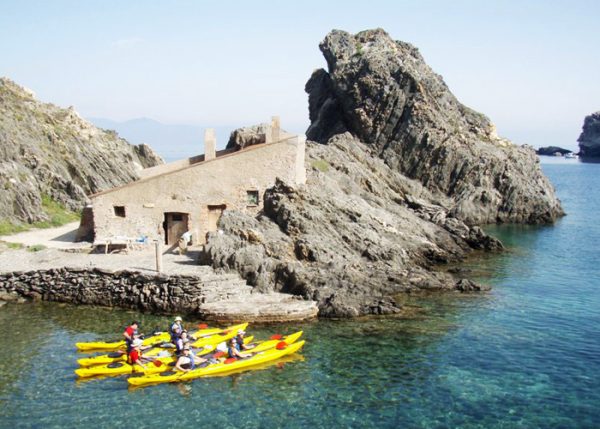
(58, 215)
(321, 165)
(36, 248)
(7, 228)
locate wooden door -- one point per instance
(175, 225)
(214, 214)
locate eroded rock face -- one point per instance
(589, 140)
(354, 235)
(49, 151)
(383, 93)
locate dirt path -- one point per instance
(62, 237)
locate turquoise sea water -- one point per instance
(525, 355)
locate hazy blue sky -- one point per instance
(531, 66)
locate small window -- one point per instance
(119, 211)
(252, 198)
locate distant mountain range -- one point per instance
(171, 142)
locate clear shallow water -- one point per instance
(523, 356)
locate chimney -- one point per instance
(210, 144)
(275, 127)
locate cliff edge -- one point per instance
(384, 94)
(50, 152)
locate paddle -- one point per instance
(202, 326)
(276, 337)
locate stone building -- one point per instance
(191, 194)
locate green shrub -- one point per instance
(321, 165)
(36, 248)
(7, 227)
(13, 245)
(58, 214)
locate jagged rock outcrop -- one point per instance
(552, 151)
(394, 193)
(49, 151)
(383, 92)
(589, 140)
(356, 234)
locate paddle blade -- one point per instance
(230, 360)
(157, 363)
(218, 355)
(202, 326)
(276, 337)
(281, 345)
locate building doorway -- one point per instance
(214, 214)
(175, 225)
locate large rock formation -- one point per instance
(49, 151)
(383, 92)
(394, 193)
(357, 233)
(589, 140)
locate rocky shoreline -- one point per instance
(105, 280)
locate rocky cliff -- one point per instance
(48, 151)
(589, 140)
(405, 173)
(357, 233)
(383, 93)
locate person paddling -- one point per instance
(233, 351)
(188, 361)
(176, 329)
(131, 333)
(180, 342)
(239, 338)
(134, 357)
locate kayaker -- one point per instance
(232, 350)
(175, 329)
(239, 338)
(188, 361)
(180, 342)
(134, 357)
(131, 333)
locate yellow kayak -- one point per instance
(159, 364)
(120, 355)
(115, 345)
(225, 365)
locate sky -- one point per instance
(531, 66)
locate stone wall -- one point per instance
(126, 289)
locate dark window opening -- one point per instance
(252, 198)
(119, 211)
(176, 217)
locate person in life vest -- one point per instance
(188, 361)
(239, 338)
(131, 333)
(233, 351)
(134, 357)
(176, 329)
(180, 342)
